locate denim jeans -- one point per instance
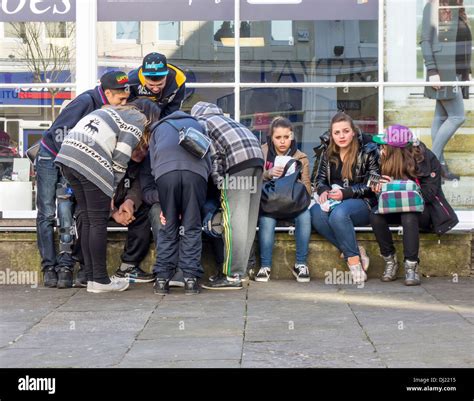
(338, 225)
(266, 236)
(47, 179)
(449, 116)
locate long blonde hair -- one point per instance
(334, 151)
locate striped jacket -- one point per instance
(234, 147)
(99, 147)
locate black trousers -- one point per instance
(138, 237)
(182, 195)
(92, 214)
(411, 223)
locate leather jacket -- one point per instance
(367, 163)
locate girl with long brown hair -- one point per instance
(402, 158)
(344, 166)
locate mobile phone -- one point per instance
(374, 179)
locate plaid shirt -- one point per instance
(232, 143)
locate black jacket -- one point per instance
(170, 99)
(81, 106)
(442, 216)
(367, 163)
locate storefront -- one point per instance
(303, 59)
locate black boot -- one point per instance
(81, 279)
(447, 175)
(50, 277)
(161, 286)
(65, 277)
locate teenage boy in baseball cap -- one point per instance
(58, 269)
(159, 81)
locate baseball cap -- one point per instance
(398, 136)
(155, 65)
(114, 80)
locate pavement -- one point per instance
(276, 324)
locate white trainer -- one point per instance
(358, 273)
(116, 284)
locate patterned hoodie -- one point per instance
(99, 147)
(234, 147)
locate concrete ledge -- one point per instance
(440, 256)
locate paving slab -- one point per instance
(276, 324)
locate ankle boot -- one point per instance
(412, 277)
(447, 175)
(391, 268)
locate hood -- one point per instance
(203, 110)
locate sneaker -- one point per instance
(216, 276)
(134, 274)
(81, 279)
(263, 274)
(50, 277)
(191, 286)
(365, 260)
(301, 272)
(161, 286)
(412, 276)
(65, 277)
(116, 285)
(358, 273)
(224, 283)
(391, 268)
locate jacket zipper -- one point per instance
(442, 205)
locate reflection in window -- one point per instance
(14, 30)
(282, 33)
(56, 30)
(168, 31)
(128, 30)
(225, 29)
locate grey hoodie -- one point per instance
(167, 155)
(234, 147)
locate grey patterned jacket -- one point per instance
(99, 147)
(234, 147)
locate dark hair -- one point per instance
(155, 78)
(401, 163)
(149, 108)
(333, 150)
(280, 122)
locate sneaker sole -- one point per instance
(262, 279)
(136, 280)
(102, 291)
(178, 284)
(222, 288)
(299, 279)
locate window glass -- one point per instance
(168, 31)
(310, 111)
(429, 120)
(128, 30)
(191, 48)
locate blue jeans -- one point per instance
(266, 236)
(338, 225)
(449, 116)
(47, 178)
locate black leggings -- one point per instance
(92, 214)
(411, 223)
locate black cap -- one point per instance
(155, 65)
(114, 80)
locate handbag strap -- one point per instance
(289, 164)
